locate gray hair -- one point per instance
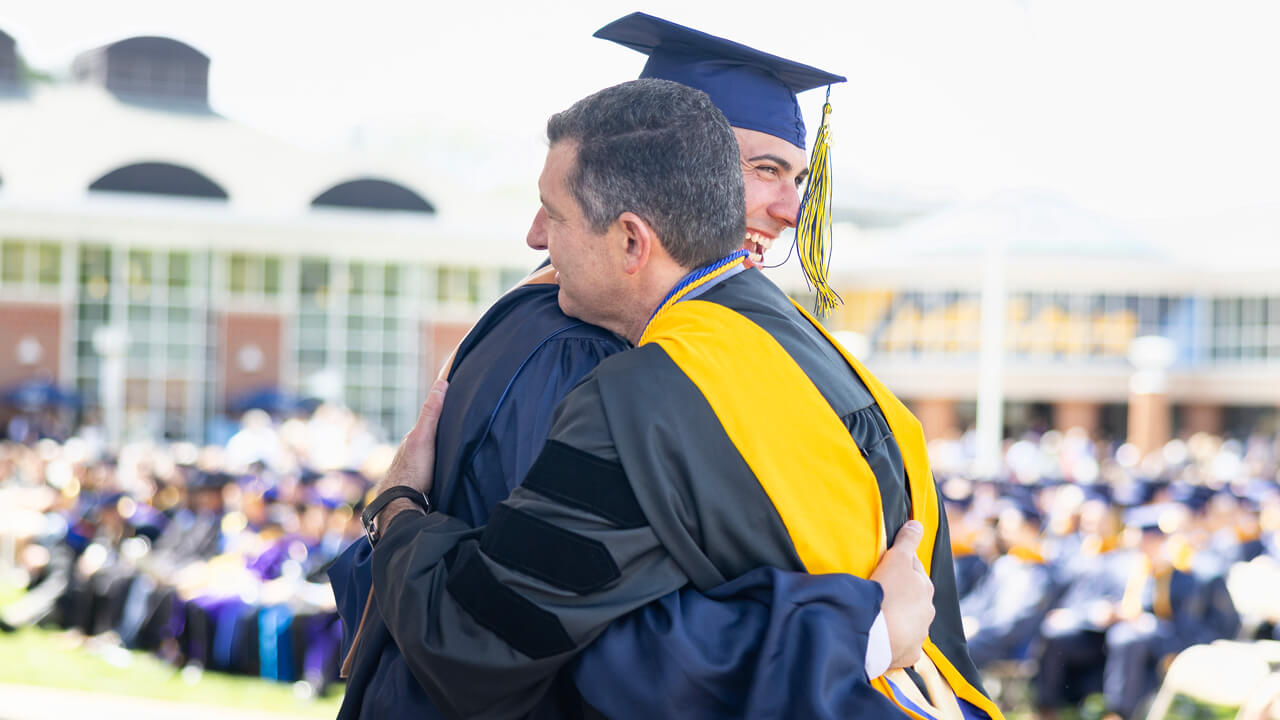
(663, 151)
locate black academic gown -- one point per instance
(508, 375)
(610, 518)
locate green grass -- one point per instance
(48, 658)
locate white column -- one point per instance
(991, 364)
(111, 342)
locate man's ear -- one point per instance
(641, 242)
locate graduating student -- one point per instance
(1164, 610)
(1074, 632)
(525, 355)
(1003, 614)
(660, 471)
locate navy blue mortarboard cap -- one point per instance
(214, 480)
(1153, 518)
(956, 491)
(754, 90)
(1132, 493)
(1098, 491)
(1050, 480)
(1195, 497)
(1025, 506)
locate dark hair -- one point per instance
(663, 151)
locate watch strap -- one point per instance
(395, 492)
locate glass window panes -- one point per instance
(12, 261)
(356, 272)
(391, 281)
(49, 264)
(253, 276)
(92, 314)
(1042, 326)
(238, 273)
(457, 285)
(509, 277)
(314, 282)
(179, 270)
(271, 276)
(139, 275)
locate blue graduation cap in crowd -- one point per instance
(271, 399)
(39, 393)
(1025, 506)
(1160, 519)
(755, 91)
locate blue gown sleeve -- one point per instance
(518, 427)
(352, 582)
(768, 644)
(506, 445)
(516, 432)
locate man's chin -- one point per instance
(566, 305)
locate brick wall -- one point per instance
(240, 334)
(31, 326)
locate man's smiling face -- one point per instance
(586, 263)
(773, 171)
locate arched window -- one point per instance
(159, 178)
(148, 69)
(9, 74)
(372, 194)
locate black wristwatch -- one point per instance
(395, 492)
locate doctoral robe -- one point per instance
(647, 485)
(508, 375)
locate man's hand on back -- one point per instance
(908, 595)
(415, 460)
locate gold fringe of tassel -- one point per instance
(813, 231)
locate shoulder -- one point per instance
(642, 379)
(640, 382)
(525, 330)
(751, 293)
(529, 319)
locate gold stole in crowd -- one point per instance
(804, 458)
(1140, 573)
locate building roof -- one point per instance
(1047, 242)
(59, 140)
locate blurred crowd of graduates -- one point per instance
(1082, 569)
(212, 557)
(1087, 569)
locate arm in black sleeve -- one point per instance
(485, 619)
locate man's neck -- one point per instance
(665, 284)
(653, 294)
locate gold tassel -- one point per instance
(813, 231)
